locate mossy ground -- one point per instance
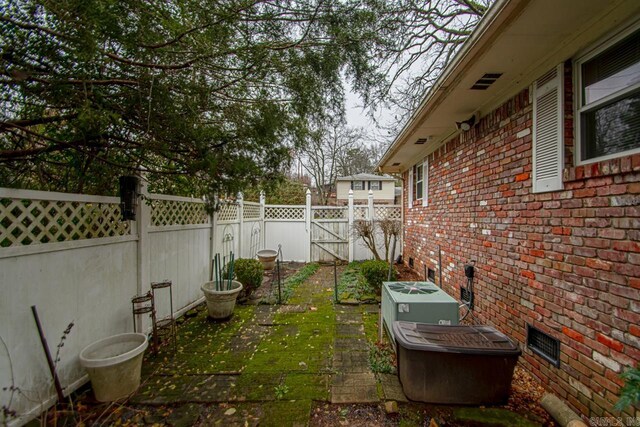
(266, 365)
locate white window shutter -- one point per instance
(425, 183)
(410, 186)
(548, 131)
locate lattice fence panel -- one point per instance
(175, 212)
(251, 211)
(329, 213)
(387, 212)
(284, 213)
(360, 212)
(228, 212)
(28, 222)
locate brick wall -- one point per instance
(567, 262)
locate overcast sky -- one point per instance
(357, 117)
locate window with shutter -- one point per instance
(548, 135)
(418, 182)
(425, 191)
(609, 99)
(410, 185)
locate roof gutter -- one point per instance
(451, 71)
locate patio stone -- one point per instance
(354, 388)
(349, 329)
(257, 386)
(391, 388)
(351, 361)
(264, 314)
(212, 388)
(355, 317)
(371, 308)
(350, 344)
(184, 416)
(248, 338)
(163, 389)
(292, 309)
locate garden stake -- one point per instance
(393, 255)
(335, 278)
(278, 268)
(230, 271)
(52, 367)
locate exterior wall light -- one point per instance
(467, 124)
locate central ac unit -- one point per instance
(421, 302)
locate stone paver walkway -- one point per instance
(266, 360)
(353, 381)
(266, 366)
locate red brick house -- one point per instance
(529, 148)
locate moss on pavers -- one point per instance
(371, 326)
(354, 388)
(259, 386)
(270, 414)
(307, 386)
(206, 363)
(492, 417)
(349, 330)
(163, 390)
(286, 413)
(391, 387)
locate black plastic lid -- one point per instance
(484, 340)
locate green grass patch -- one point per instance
(381, 359)
(352, 286)
(371, 326)
(292, 282)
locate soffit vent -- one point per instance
(396, 164)
(543, 345)
(421, 141)
(485, 81)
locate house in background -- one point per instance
(528, 161)
(382, 187)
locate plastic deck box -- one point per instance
(470, 365)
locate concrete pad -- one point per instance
(391, 388)
(354, 388)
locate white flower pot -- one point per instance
(220, 304)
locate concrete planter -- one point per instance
(114, 364)
(220, 304)
(268, 258)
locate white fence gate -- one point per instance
(74, 259)
(329, 233)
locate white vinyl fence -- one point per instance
(73, 258)
(305, 233)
